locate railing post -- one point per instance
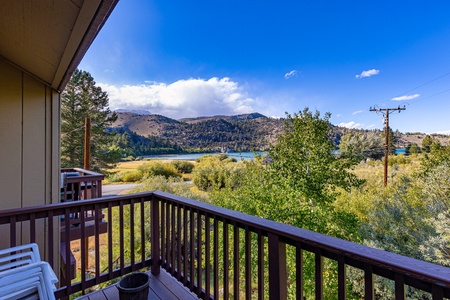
(155, 242)
(277, 268)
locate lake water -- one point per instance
(193, 156)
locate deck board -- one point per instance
(162, 286)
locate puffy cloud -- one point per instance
(350, 124)
(406, 97)
(183, 98)
(367, 73)
(357, 112)
(290, 74)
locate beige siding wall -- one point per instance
(29, 143)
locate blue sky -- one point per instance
(196, 58)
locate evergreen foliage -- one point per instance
(82, 99)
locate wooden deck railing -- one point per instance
(80, 184)
(219, 253)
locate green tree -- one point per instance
(412, 148)
(362, 144)
(298, 185)
(426, 143)
(81, 99)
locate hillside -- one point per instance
(247, 132)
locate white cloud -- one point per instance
(350, 124)
(370, 126)
(339, 115)
(357, 112)
(446, 132)
(290, 74)
(367, 73)
(183, 98)
(406, 97)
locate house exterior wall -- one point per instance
(29, 144)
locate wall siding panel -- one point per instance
(29, 148)
(10, 136)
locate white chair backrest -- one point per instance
(24, 275)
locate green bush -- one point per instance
(216, 172)
(116, 177)
(132, 176)
(183, 166)
(151, 169)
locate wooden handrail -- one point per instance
(214, 251)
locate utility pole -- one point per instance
(386, 113)
(87, 143)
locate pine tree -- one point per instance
(82, 99)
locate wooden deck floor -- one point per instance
(162, 286)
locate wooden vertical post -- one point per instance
(277, 268)
(155, 236)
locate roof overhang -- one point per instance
(48, 38)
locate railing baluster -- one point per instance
(248, 264)
(185, 246)
(84, 254)
(110, 241)
(121, 239)
(277, 268)
(168, 243)
(98, 212)
(131, 224)
(226, 265)
(173, 240)
(179, 241)
(67, 253)
(163, 233)
(199, 255)
(12, 231)
(32, 228)
(207, 257)
(143, 228)
(342, 292)
(437, 292)
(51, 255)
(399, 287)
(368, 282)
(299, 270)
(260, 265)
(216, 258)
(155, 205)
(318, 274)
(236, 260)
(191, 251)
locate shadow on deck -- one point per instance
(162, 286)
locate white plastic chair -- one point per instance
(24, 276)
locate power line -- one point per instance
(423, 84)
(429, 96)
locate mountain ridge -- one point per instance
(244, 132)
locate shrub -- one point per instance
(115, 177)
(159, 169)
(132, 176)
(216, 172)
(183, 166)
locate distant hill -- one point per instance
(246, 132)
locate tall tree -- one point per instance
(82, 99)
(298, 185)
